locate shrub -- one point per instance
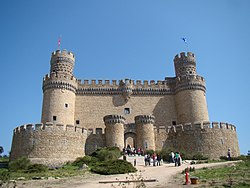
(88, 160)
(20, 164)
(199, 156)
(4, 176)
(37, 168)
(108, 153)
(151, 152)
(113, 167)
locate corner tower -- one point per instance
(59, 88)
(190, 90)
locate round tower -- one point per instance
(114, 131)
(145, 132)
(190, 90)
(59, 88)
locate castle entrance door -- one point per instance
(130, 139)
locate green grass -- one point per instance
(103, 161)
(238, 174)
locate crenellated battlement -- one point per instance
(115, 83)
(50, 127)
(112, 119)
(200, 126)
(55, 76)
(187, 127)
(185, 58)
(144, 119)
(63, 53)
(190, 82)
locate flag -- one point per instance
(184, 39)
(59, 42)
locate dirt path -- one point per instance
(164, 175)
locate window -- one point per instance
(173, 122)
(54, 118)
(98, 131)
(77, 122)
(66, 105)
(126, 110)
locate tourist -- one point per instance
(154, 159)
(158, 159)
(229, 154)
(172, 156)
(146, 159)
(177, 159)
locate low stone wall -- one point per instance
(49, 144)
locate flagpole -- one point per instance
(59, 42)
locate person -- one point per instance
(177, 159)
(149, 159)
(158, 160)
(134, 162)
(229, 154)
(172, 157)
(146, 159)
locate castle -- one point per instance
(80, 116)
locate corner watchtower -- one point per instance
(62, 62)
(59, 89)
(185, 65)
(190, 90)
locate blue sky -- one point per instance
(116, 39)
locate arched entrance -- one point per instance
(130, 138)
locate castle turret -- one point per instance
(59, 89)
(114, 131)
(190, 90)
(145, 132)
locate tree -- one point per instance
(1, 150)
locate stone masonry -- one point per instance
(80, 116)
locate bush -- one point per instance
(21, 164)
(113, 167)
(199, 157)
(4, 176)
(108, 153)
(37, 168)
(151, 152)
(88, 160)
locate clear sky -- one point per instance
(116, 39)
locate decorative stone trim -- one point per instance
(58, 85)
(144, 119)
(118, 91)
(111, 119)
(190, 86)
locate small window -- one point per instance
(77, 122)
(54, 118)
(173, 122)
(126, 110)
(98, 131)
(66, 105)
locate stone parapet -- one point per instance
(112, 119)
(49, 144)
(145, 119)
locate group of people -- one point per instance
(175, 158)
(155, 159)
(131, 151)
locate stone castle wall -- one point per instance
(209, 139)
(49, 144)
(90, 109)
